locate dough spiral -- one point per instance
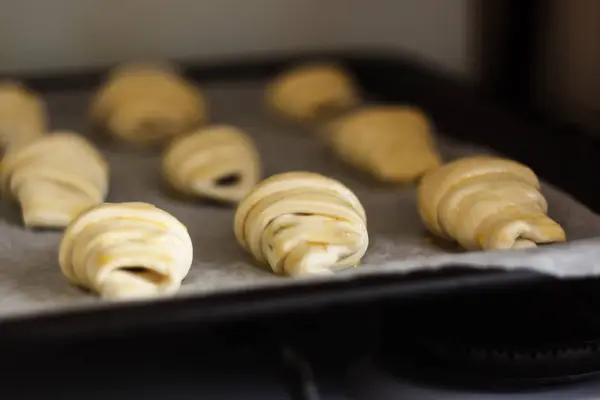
(312, 91)
(126, 250)
(392, 143)
(302, 223)
(487, 203)
(218, 162)
(54, 178)
(23, 115)
(147, 104)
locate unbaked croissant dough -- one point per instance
(23, 115)
(126, 250)
(302, 223)
(54, 178)
(312, 91)
(487, 203)
(392, 143)
(218, 162)
(147, 104)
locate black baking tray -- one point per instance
(559, 153)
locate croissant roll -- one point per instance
(126, 251)
(23, 115)
(487, 203)
(219, 162)
(54, 178)
(147, 105)
(392, 143)
(302, 223)
(312, 91)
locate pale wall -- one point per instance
(41, 34)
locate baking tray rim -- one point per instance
(121, 318)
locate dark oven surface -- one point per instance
(485, 340)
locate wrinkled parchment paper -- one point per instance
(31, 281)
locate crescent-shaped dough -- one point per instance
(126, 250)
(487, 203)
(23, 115)
(392, 143)
(54, 178)
(147, 104)
(218, 162)
(302, 223)
(312, 91)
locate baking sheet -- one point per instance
(31, 281)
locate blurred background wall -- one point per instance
(536, 54)
(37, 34)
(568, 79)
(541, 55)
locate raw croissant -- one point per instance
(146, 105)
(54, 178)
(22, 115)
(312, 91)
(302, 223)
(219, 162)
(487, 203)
(126, 250)
(392, 143)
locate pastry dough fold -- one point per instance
(126, 250)
(487, 203)
(302, 223)
(23, 115)
(392, 143)
(147, 104)
(54, 178)
(312, 91)
(218, 162)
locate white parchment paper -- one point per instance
(31, 281)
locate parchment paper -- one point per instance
(31, 281)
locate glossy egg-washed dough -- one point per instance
(126, 251)
(218, 162)
(23, 115)
(392, 143)
(310, 92)
(147, 105)
(54, 178)
(487, 203)
(302, 223)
